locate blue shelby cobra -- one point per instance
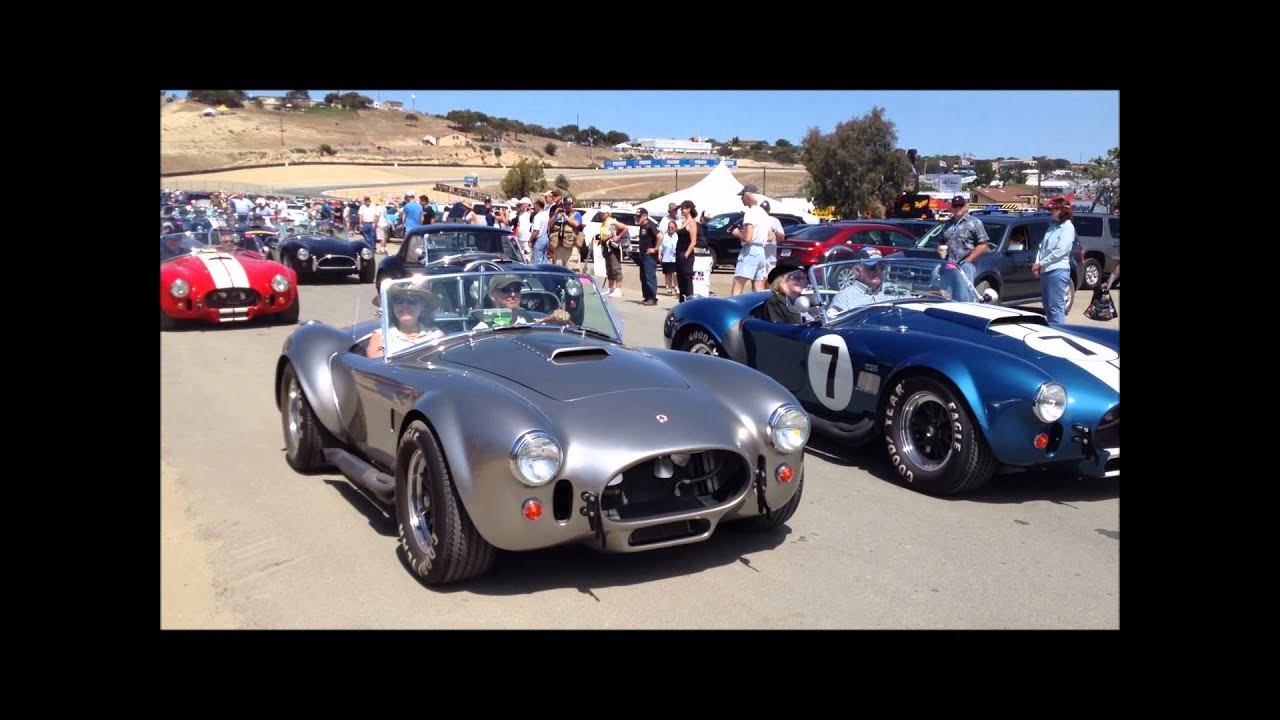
(904, 349)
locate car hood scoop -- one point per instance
(564, 366)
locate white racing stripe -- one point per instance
(1104, 371)
(239, 277)
(990, 312)
(221, 277)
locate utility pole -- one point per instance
(413, 103)
(677, 177)
(764, 184)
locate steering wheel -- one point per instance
(482, 265)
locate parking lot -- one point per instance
(249, 543)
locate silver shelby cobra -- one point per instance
(501, 411)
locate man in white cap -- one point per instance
(523, 233)
(412, 211)
(752, 264)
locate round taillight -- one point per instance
(1042, 441)
(532, 509)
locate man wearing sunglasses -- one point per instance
(867, 286)
(504, 294)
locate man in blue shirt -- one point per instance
(412, 212)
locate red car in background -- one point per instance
(221, 277)
(807, 245)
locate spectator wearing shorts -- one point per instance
(754, 234)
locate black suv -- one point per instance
(724, 246)
(1006, 267)
(1099, 235)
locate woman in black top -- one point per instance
(686, 241)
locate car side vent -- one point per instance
(578, 354)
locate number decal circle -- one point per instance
(1071, 347)
(831, 371)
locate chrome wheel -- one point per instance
(419, 499)
(295, 416)
(927, 436)
(844, 277)
(1091, 274)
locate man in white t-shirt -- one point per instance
(368, 220)
(523, 231)
(753, 234)
(539, 226)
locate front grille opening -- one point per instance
(562, 501)
(1108, 434)
(668, 531)
(237, 297)
(336, 263)
(697, 480)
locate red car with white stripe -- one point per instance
(221, 277)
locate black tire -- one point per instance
(1092, 274)
(295, 265)
(304, 444)
(715, 259)
(367, 271)
(922, 413)
(440, 542)
(777, 516)
(167, 321)
(290, 316)
(700, 341)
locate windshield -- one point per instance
(425, 309)
(720, 221)
(849, 284)
(439, 245)
(177, 244)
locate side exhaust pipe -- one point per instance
(361, 473)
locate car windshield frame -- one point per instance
(460, 306)
(204, 241)
(903, 279)
(435, 250)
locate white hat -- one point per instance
(410, 192)
(606, 209)
(523, 201)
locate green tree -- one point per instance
(567, 132)
(783, 143)
(856, 168)
(983, 174)
(654, 195)
(562, 182)
(613, 137)
(230, 98)
(1012, 175)
(497, 152)
(1105, 174)
(550, 148)
(332, 99)
(524, 178)
(298, 98)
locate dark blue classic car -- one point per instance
(449, 247)
(313, 254)
(907, 354)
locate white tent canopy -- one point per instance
(714, 194)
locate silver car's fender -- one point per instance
(309, 349)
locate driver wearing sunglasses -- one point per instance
(504, 294)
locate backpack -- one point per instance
(1101, 307)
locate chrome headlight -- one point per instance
(572, 287)
(303, 254)
(536, 458)
(179, 288)
(1050, 402)
(365, 253)
(788, 428)
(280, 283)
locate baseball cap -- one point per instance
(959, 201)
(641, 211)
(410, 193)
(869, 253)
(606, 209)
(501, 281)
(748, 188)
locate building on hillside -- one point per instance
(1012, 194)
(396, 105)
(452, 140)
(429, 140)
(672, 145)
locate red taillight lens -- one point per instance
(532, 509)
(1042, 441)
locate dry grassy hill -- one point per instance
(249, 136)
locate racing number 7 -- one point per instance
(834, 352)
(1083, 350)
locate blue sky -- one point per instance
(1076, 125)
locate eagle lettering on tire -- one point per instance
(931, 437)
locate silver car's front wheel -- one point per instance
(440, 543)
(304, 436)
